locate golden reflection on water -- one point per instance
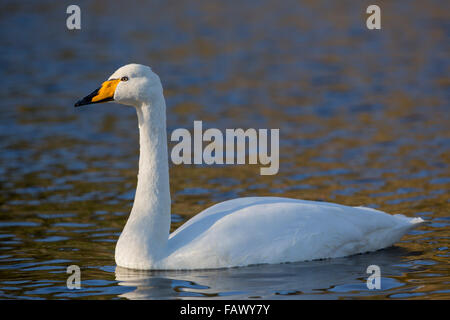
(363, 120)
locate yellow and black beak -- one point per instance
(103, 94)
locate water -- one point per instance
(363, 118)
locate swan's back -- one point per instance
(257, 230)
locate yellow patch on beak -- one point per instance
(106, 91)
(103, 94)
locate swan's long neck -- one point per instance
(146, 232)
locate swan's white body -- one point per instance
(233, 233)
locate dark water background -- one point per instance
(363, 118)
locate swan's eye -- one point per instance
(124, 79)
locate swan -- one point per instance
(233, 233)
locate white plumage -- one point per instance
(237, 232)
(254, 230)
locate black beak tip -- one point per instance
(87, 100)
(82, 102)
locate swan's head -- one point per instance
(132, 85)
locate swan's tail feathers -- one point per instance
(410, 222)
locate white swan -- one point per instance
(238, 232)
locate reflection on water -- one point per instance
(325, 279)
(363, 118)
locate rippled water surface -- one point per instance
(363, 118)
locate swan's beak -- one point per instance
(103, 94)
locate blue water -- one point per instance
(363, 118)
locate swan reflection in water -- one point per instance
(322, 279)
